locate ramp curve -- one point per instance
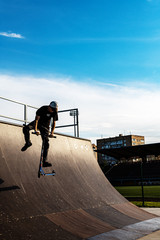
(77, 203)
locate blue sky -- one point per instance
(108, 47)
(115, 40)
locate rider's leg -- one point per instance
(45, 139)
(26, 129)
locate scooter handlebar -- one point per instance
(50, 136)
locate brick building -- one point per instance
(117, 142)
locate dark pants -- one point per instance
(44, 134)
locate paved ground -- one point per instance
(77, 203)
(153, 210)
(154, 235)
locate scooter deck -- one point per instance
(41, 172)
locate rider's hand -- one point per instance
(37, 133)
(51, 135)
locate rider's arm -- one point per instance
(53, 127)
(36, 122)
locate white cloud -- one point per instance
(104, 110)
(11, 35)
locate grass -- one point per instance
(151, 192)
(136, 191)
(146, 204)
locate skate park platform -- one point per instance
(77, 203)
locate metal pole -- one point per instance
(77, 123)
(25, 114)
(142, 188)
(74, 124)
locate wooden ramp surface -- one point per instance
(77, 203)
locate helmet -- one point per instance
(53, 104)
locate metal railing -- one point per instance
(73, 112)
(24, 120)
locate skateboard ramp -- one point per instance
(77, 203)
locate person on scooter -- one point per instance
(41, 125)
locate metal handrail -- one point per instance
(25, 120)
(17, 102)
(25, 110)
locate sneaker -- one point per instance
(27, 145)
(47, 164)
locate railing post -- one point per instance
(25, 114)
(74, 113)
(77, 122)
(74, 124)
